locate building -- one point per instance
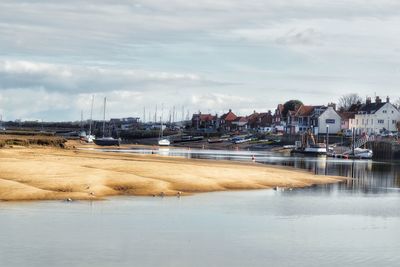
(225, 122)
(239, 124)
(205, 121)
(125, 124)
(329, 120)
(313, 117)
(257, 121)
(374, 118)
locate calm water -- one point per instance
(353, 224)
(367, 175)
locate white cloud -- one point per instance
(204, 54)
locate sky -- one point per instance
(203, 55)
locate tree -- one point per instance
(397, 103)
(290, 105)
(346, 101)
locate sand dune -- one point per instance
(51, 173)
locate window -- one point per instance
(384, 111)
(381, 121)
(394, 121)
(330, 121)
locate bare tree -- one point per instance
(397, 103)
(346, 101)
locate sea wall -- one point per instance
(385, 150)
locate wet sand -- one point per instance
(56, 174)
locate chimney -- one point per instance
(333, 105)
(368, 101)
(387, 99)
(378, 100)
(230, 110)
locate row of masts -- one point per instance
(173, 115)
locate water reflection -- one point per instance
(367, 176)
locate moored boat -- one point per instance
(164, 142)
(107, 141)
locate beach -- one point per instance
(49, 173)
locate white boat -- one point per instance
(164, 142)
(309, 146)
(310, 150)
(89, 137)
(360, 153)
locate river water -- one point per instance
(356, 223)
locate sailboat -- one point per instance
(2, 128)
(162, 141)
(89, 137)
(106, 141)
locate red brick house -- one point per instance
(225, 122)
(202, 121)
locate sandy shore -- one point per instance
(52, 173)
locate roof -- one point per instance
(371, 108)
(305, 111)
(240, 119)
(230, 116)
(204, 117)
(253, 116)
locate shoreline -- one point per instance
(46, 173)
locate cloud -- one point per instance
(203, 54)
(81, 79)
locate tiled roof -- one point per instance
(230, 116)
(207, 117)
(305, 111)
(240, 119)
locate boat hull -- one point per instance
(107, 142)
(164, 142)
(310, 151)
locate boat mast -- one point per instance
(161, 128)
(81, 120)
(91, 117)
(104, 116)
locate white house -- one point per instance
(375, 117)
(329, 119)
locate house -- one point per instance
(374, 118)
(125, 124)
(301, 119)
(328, 121)
(346, 116)
(204, 121)
(258, 121)
(313, 117)
(278, 115)
(240, 124)
(225, 122)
